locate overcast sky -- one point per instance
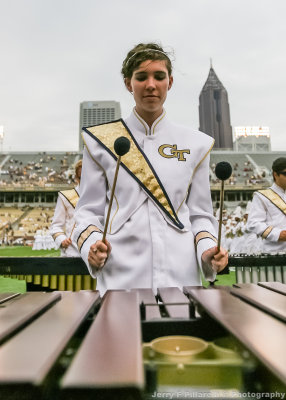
(56, 53)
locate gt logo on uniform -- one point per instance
(172, 152)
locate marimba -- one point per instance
(193, 343)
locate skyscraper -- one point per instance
(214, 112)
(97, 112)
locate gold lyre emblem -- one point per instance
(173, 152)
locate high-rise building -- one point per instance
(95, 113)
(214, 112)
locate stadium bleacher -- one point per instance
(248, 169)
(46, 172)
(35, 219)
(9, 215)
(37, 169)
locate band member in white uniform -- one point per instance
(162, 225)
(267, 216)
(63, 222)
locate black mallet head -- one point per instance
(121, 145)
(223, 170)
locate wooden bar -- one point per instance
(277, 287)
(22, 309)
(27, 357)
(146, 296)
(174, 295)
(268, 301)
(261, 333)
(7, 296)
(110, 357)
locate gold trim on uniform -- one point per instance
(163, 115)
(85, 234)
(195, 169)
(267, 232)
(274, 198)
(142, 122)
(55, 235)
(133, 160)
(71, 195)
(204, 235)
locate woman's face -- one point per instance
(150, 83)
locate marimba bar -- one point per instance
(134, 345)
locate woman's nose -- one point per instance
(150, 83)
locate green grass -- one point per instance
(26, 251)
(15, 285)
(225, 280)
(12, 285)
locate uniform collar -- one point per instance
(144, 127)
(278, 189)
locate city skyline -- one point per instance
(57, 54)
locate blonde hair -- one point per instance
(77, 167)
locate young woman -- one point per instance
(162, 226)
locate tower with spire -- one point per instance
(214, 112)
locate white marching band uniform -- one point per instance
(38, 242)
(267, 218)
(63, 221)
(161, 218)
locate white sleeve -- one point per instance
(57, 228)
(257, 221)
(204, 224)
(90, 209)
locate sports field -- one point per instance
(15, 285)
(26, 251)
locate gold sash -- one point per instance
(136, 163)
(274, 198)
(71, 195)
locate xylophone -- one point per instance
(262, 267)
(193, 343)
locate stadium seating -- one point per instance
(37, 169)
(54, 171)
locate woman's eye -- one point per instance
(141, 77)
(160, 76)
